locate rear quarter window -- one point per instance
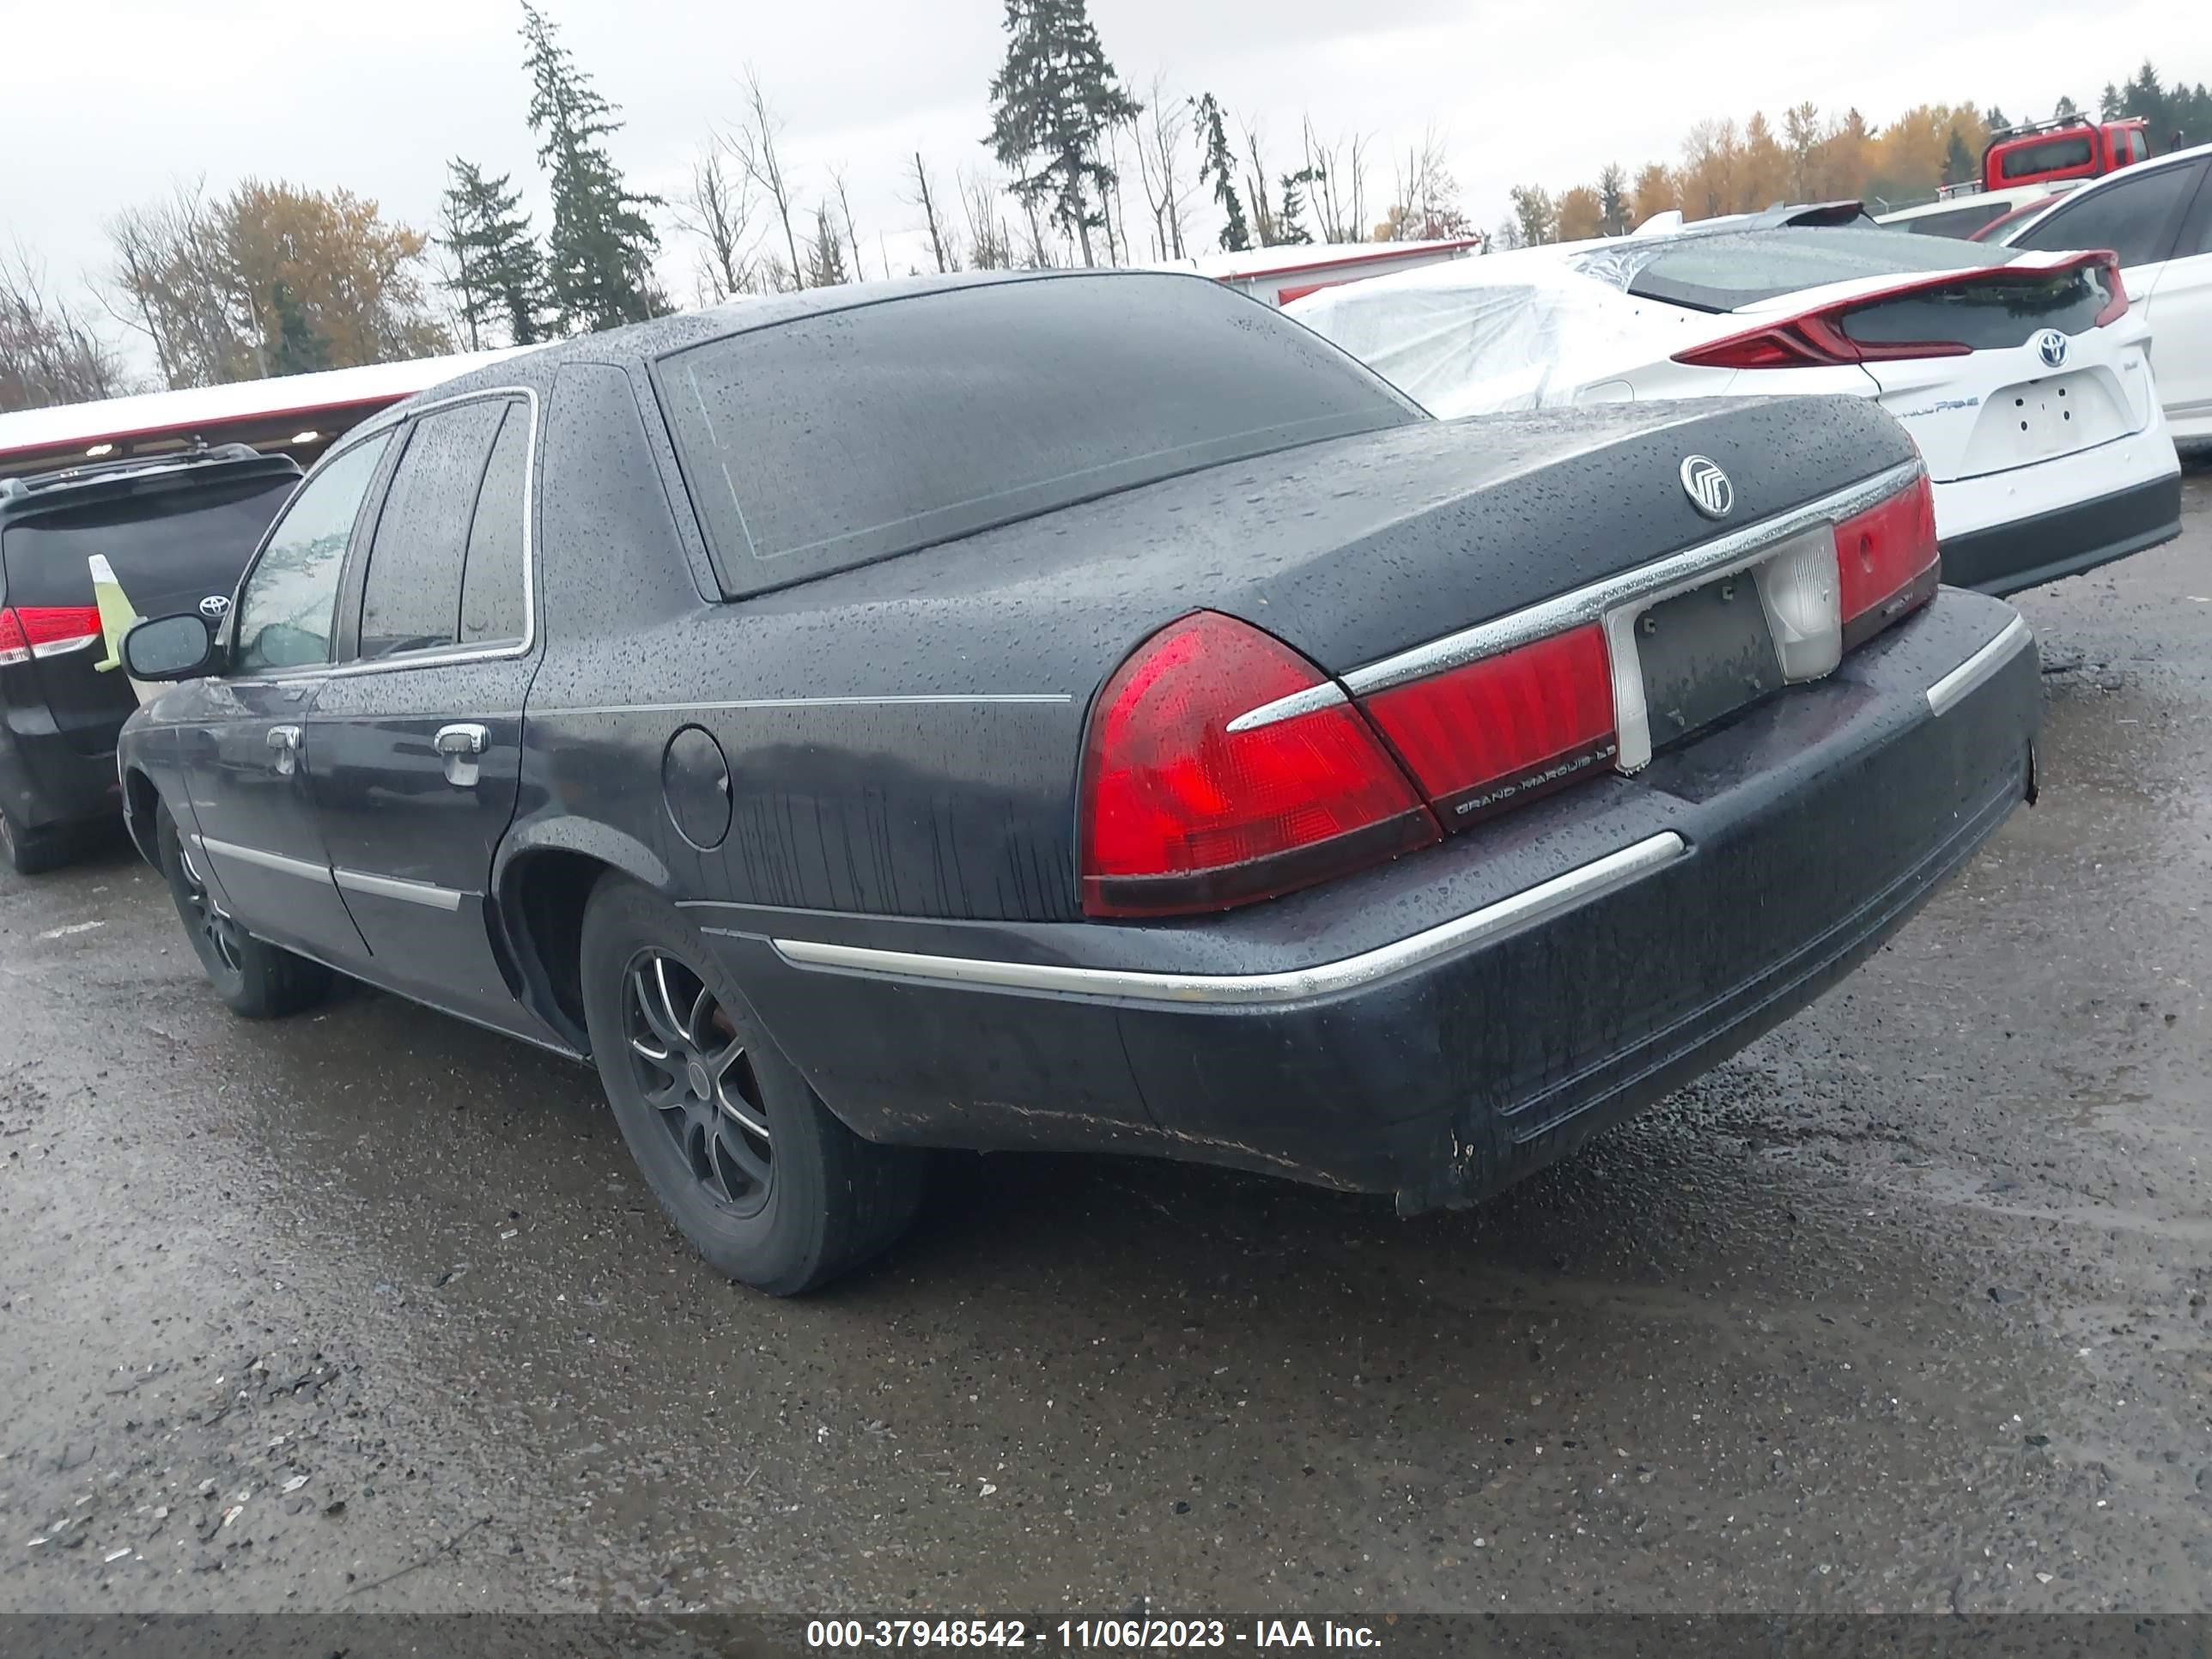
(836, 439)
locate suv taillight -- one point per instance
(46, 630)
(1180, 813)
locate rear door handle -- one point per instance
(458, 745)
(284, 749)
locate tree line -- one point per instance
(1078, 168)
(1728, 169)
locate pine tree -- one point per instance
(1613, 200)
(1289, 217)
(1052, 104)
(599, 265)
(297, 349)
(498, 274)
(1217, 161)
(1960, 166)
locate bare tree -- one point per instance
(989, 246)
(1163, 134)
(852, 232)
(176, 281)
(1425, 201)
(1338, 196)
(48, 353)
(718, 210)
(753, 146)
(941, 243)
(1257, 195)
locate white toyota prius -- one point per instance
(2025, 378)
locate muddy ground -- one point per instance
(1902, 1310)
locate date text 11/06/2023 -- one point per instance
(1125, 1634)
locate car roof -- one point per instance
(101, 480)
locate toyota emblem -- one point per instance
(1707, 486)
(215, 607)
(2050, 346)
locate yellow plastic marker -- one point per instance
(117, 618)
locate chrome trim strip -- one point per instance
(1961, 682)
(277, 861)
(392, 887)
(544, 713)
(1312, 698)
(1590, 604)
(1577, 886)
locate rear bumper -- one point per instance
(2013, 531)
(1443, 1026)
(46, 780)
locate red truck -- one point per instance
(2068, 147)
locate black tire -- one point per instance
(784, 1209)
(34, 852)
(255, 979)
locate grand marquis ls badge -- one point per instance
(1707, 486)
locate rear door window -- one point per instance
(2135, 215)
(411, 597)
(286, 608)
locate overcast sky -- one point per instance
(109, 105)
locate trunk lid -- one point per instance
(1351, 550)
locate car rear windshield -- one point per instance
(1730, 270)
(2051, 156)
(176, 545)
(830, 440)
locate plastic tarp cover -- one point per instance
(1524, 329)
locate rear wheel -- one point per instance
(770, 1187)
(254, 978)
(33, 852)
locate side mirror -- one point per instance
(168, 648)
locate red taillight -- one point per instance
(1496, 732)
(1815, 340)
(2116, 291)
(46, 630)
(1886, 560)
(1180, 814)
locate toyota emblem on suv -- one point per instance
(2050, 346)
(1707, 486)
(215, 607)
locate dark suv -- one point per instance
(176, 531)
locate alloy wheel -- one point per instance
(688, 1062)
(207, 917)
